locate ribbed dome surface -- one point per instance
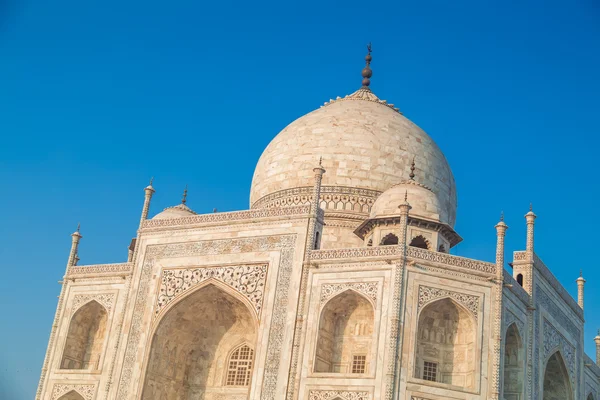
(364, 142)
(177, 211)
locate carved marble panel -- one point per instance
(60, 389)
(337, 394)
(428, 294)
(249, 280)
(105, 299)
(553, 341)
(328, 291)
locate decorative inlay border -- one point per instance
(428, 294)
(60, 389)
(447, 259)
(249, 280)
(227, 216)
(337, 394)
(553, 340)
(356, 252)
(105, 299)
(284, 243)
(98, 269)
(352, 199)
(369, 289)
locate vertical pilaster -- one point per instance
(597, 340)
(580, 284)
(501, 228)
(528, 286)
(393, 368)
(294, 376)
(75, 238)
(149, 191)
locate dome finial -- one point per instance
(412, 170)
(366, 72)
(502, 216)
(184, 198)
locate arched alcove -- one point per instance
(556, 379)
(446, 344)
(72, 395)
(590, 397)
(389, 240)
(420, 242)
(514, 370)
(193, 343)
(345, 335)
(85, 339)
(520, 279)
(317, 240)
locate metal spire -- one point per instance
(502, 216)
(412, 170)
(366, 72)
(183, 200)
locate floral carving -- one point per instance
(227, 217)
(448, 259)
(369, 289)
(249, 280)
(99, 269)
(337, 394)
(428, 294)
(105, 299)
(86, 391)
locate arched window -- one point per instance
(556, 380)
(239, 367)
(520, 279)
(85, 339)
(514, 370)
(446, 344)
(442, 248)
(389, 239)
(590, 397)
(370, 242)
(420, 242)
(317, 240)
(345, 335)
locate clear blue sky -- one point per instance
(98, 96)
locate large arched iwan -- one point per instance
(193, 342)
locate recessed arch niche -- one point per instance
(72, 395)
(345, 336)
(556, 379)
(194, 343)
(446, 341)
(514, 367)
(85, 338)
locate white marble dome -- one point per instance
(364, 142)
(423, 202)
(178, 211)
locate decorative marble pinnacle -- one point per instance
(366, 72)
(184, 198)
(412, 170)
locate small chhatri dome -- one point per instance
(423, 202)
(178, 211)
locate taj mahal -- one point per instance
(336, 284)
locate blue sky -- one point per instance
(98, 96)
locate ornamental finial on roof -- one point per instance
(184, 198)
(151, 180)
(78, 226)
(502, 216)
(366, 72)
(412, 170)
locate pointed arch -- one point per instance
(345, 334)
(239, 365)
(590, 397)
(85, 338)
(72, 395)
(446, 341)
(514, 366)
(557, 385)
(420, 242)
(389, 240)
(193, 341)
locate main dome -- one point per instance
(365, 143)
